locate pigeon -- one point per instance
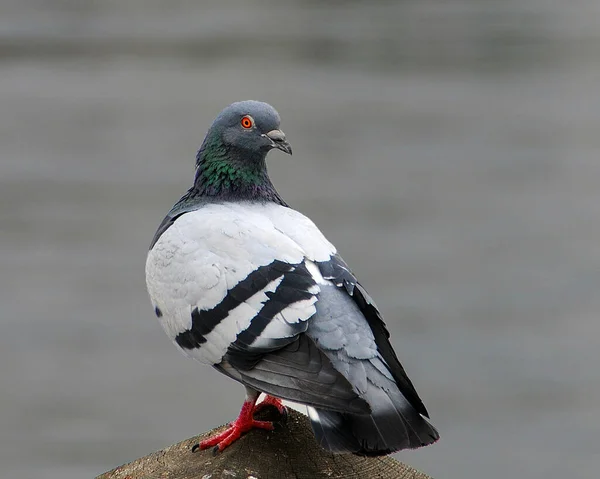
(241, 281)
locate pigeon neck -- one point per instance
(223, 174)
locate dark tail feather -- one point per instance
(387, 429)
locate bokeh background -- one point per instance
(449, 148)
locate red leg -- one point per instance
(271, 401)
(241, 425)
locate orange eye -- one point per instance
(247, 122)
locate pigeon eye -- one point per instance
(247, 122)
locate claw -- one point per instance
(244, 423)
(271, 401)
(233, 433)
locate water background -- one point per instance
(450, 149)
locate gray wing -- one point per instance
(331, 358)
(275, 356)
(368, 324)
(350, 330)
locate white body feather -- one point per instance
(208, 251)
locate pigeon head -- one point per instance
(250, 128)
(231, 160)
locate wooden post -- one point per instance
(289, 452)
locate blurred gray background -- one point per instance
(450, 149)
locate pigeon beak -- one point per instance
(277, 137)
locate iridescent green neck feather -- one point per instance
(226, 173)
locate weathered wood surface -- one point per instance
(289, 452)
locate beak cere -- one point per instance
(279, 141)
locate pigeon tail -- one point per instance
(392, 425)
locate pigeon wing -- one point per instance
(338, 272)
(236, 291)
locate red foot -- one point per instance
(241, 425)
(271, 401)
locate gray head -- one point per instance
(231, 161)
(251, 127)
